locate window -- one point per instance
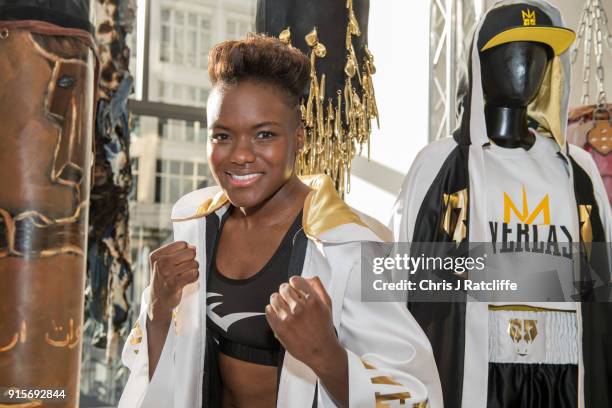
(182, 131)
(205, 42)
(185, 38)
(182, 94)
(135, 127)
(175, 178)
(133, 196)
(177, 92)
(236, 28)
(165, 36)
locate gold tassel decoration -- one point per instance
(337, 128)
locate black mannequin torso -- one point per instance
(512, 74)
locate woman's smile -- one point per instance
(244, 179)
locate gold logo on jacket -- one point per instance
(586, 229)
(455, 215)
(529, 17)
(524, 215)
(523, 333)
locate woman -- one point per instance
(277, 261)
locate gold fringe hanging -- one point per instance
(336, 132)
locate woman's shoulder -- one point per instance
(198, 203)
(328, 219)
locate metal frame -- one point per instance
(167, 111)
(450, 23)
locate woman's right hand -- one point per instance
(172, 267)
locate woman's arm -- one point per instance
(172, 267)
(135, 357)
(389, 355)
(157, 330)
(300, 316)
(380, 354)
(151, 342)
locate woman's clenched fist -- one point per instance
(300, 316)
(172, 267)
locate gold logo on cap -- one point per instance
(529, 17)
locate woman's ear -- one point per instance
(300, 137)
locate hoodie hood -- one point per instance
(549, 108)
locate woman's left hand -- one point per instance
(301, 317)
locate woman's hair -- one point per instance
(262, 59)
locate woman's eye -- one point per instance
(219, 137)
(265, 135)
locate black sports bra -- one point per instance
(235, 308)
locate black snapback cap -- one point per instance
(523, 22)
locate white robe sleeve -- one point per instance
(176, 381)
(585, 160)
(601, 196)
(421, 175)
(390, 360)
(139, 391)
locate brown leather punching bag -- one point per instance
(47, 90)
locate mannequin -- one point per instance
(522, 66)
(496, 181)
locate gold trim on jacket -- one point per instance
(323, 210)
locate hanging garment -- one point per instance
(338, 107)
(454, 192)
(594, 134)
(109, 252)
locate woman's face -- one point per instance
(254, 136)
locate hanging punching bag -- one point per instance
(47, 91)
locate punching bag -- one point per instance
(48, 71)
(339, 105)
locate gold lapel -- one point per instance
(455, 215)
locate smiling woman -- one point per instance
(254, 120)
(263, 279)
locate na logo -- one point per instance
(529, 17)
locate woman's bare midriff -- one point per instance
(247, 385)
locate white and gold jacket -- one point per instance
(390, 360)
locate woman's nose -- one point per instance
(243, 151)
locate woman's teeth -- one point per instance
(245, 176)
(244, 180)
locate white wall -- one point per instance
(399, 40)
